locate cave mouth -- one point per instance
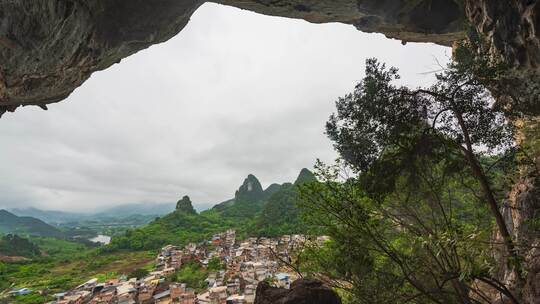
(435, 15)
(49, 48)
(257, 96)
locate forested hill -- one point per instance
(253, 211)
(25, 225)
(13, 245)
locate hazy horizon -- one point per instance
(234, 93)
(199, 206)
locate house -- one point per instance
(182, 295)
(283, 280)
(168, 271)
(20, 292)
(89, 285)
(203, 298)
(218, 295)
(126, 293)
(76, 297)
(146, 293)
(233, 287)
(163, 297)
(216, 240)
(105, 296)
(236, 299)
(249, 293)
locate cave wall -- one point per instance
(512, 29)
(50, 47)
(436, 21)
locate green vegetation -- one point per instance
(33, 298)
(22, 225)
(253, 211)
(215, 264)
(138, 273)
(185, 205)
(13, 245)
(66, 262)
(412, 205)
(192, 274)
(248, 201)
(280, 214)
(107, 225)
(56, 274)
(177, 227)
(61, 248)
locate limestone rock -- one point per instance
(250, 191)
(305, 176)
(302, 291)
(48, 48)
(185, 205)
(513, 31)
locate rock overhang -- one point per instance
(49, 48)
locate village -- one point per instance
(246, 263)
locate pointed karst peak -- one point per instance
(251, 190)
(305, 176)
(185, 205)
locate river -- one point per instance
(103, 239)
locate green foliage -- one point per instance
(253, 212)
(192, 274)
(382, 119)
(177, 228)
(33, 298)
(413, 222)
(66, 265)
(13, 245)
(114, 225)
(185, 205)
(281, 214)
(215, 264)
(59, 248)
(385, 251)
(138, 273)
(23, 225)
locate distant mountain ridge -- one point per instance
(25, 225)
(250, 199)
(185, 205)
(250, 191)
(137, 208)
(49, 216)
(253, 211)
(121, 211)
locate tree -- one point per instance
(454, 120)
(418, 200)
(138, 273)
(185, 205)
(215, 264)
(423, 243)
(14, 245)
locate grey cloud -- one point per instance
(234, 93)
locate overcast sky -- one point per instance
(234, 93)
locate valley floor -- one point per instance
(217, 271)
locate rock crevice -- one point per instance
(302, 291)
